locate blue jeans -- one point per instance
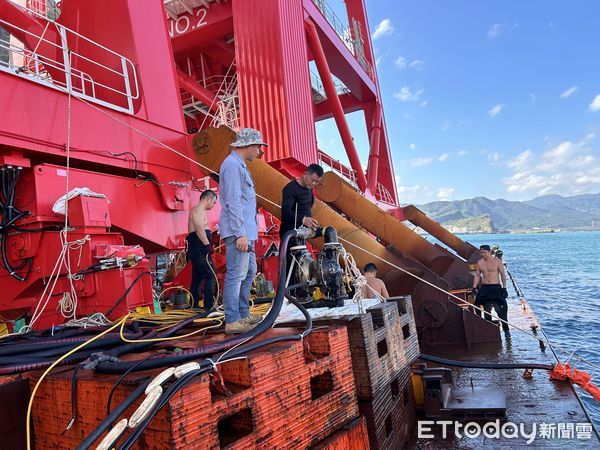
(241, 270)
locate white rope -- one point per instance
(537, 338)
(358, 279)
(209, 170)
(94, 320)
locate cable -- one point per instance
(47, 371)
(216, 347)
(170, 338)
(124, 295)
(209, 170)
(474, 365)
(465, 302)
(122, 377)
(110, 418)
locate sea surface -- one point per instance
(559, 274)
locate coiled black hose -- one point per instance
(217, 347)
(207, 365)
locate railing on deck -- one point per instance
(317, 85)
(344, 171)
(351, 39)
(383, 195)
(176, 7)
(37, 67)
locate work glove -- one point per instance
(208, 249)
(504, 293)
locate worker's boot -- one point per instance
(237, 327)
(252, 319)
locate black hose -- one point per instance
(217, 347)
(120, 409)
(237, 352)
(122, 377)
(124, 295)
(474, 365)
(304, 311)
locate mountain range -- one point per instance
(549, 212)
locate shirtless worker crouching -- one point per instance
(200, 250)
(491, 293)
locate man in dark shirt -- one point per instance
(297, 202)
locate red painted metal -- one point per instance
(150, 189)
(373, 167)
(273, 76)
(334, 102)
(190, 85)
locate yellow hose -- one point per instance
(54, 364)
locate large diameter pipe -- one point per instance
(336, 191)
(211, 147)
(334, 102)
(420, 219)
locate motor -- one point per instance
(323, 277)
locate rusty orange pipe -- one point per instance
(420, 219)
(211, 147)
(345, 198)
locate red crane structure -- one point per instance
(111, 95)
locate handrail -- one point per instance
(62, 63)
(345, 34)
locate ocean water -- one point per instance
(559, 274)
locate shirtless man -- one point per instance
(374, 284)
(491, 293)
(200, 250)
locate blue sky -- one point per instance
(495, 98)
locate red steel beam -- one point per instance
(373, 166)
(334, 102)
(190, 85)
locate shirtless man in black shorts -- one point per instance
(491, 294)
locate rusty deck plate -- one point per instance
(529, 401)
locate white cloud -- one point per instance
(417, 64)
(424, 103)
(446, 124)
(595, 105)
(521, 160)
(462, 152)
(407, 194)
(385, 28)
(412, 146)
(589, 137)
(569, 168)
(445, 193)
(378, 60)
(494, 111)
(401, 62)
(420, 162)
(569, 92)
(532, 97)
(407, 95)
(495, 31)
(493, 157)
(443, 157)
